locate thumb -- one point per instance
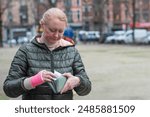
(67, 75)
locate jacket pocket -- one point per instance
(65, 96)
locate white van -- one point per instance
(139, 34)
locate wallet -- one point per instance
(57, 84)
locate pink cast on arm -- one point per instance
(37, 79)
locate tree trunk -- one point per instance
(134, 20)
(1, 35)
(3, 7)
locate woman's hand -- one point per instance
(47, 76)
(72, 82)
(39, 78)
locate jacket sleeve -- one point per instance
(79, 70)
(13, 85)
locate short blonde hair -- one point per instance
(53, 13)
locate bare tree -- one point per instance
(100, 9)
(4, 4)
(39, 9)
(134, 19)
(67, 4)
(52, 3)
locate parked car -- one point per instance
(22, 40)
(12, 42)
(93, 35)
(117, 37)
(82, 35)
(141, 36)
(105, 35)
(148, 39)
(120, 36)
(89, 36)
(110, 39)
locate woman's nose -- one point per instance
(56, 34)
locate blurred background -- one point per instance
(102, 21)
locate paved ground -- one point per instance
(117, 72)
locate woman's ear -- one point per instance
(42, 26)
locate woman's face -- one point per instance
(53, 30)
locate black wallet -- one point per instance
(57, 84)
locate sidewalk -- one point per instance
(117, 72)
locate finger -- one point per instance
(48, 73)
(48, 76)
(51, 74)
(67, 75)
(48, 80)
(64, 88)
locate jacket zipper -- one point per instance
(52, 62)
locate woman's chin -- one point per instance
(52, 42)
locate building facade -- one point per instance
(22, 17)
(121, 13)
(73, 10)
(18, 20)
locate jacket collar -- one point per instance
(42, 45)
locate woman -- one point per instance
(38, 63)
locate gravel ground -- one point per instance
(117, 72)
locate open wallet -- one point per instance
(58, 83)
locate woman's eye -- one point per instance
(60, 31)
(52, 30)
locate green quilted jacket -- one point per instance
(34, 57)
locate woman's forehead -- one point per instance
(56, 23)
